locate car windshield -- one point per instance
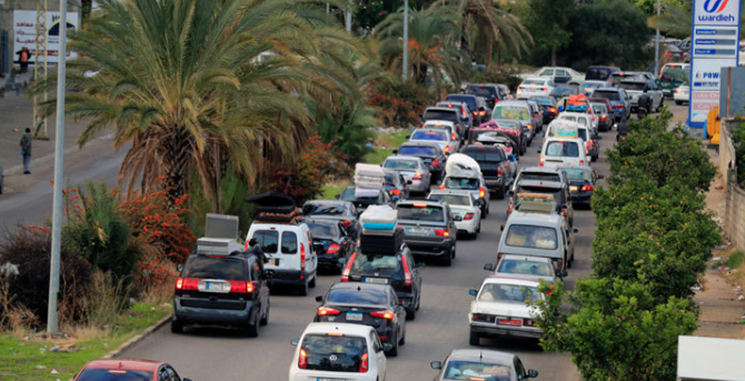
(206, 267)
(536, 82)
(609, 95)
(508, 293)
(366, 263)
(543, 101)
(577, 174)
(511, 112)
(514, 266)
(588, 86)
(482, 91)
(468, 370)
(323, 210)
(565, 149)
(324, 229)
(462, 183)
(417, 151)
(115, 375)
(420, 212)
(430, 135)
(357, 295)
(633, 86)
(334, 353)
(564, 91)
(401, 164)
(537, 237)
(451, 199)
(441, 115)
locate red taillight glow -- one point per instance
(417, 176)
(545, 88)
(241, 287)
(560, 264)
(333, 248)
(543, 159)
(302, 360)
(603, 118)
(552, 109)
(528, 322)
(442, 233)
(482, 192)
(179, 283)
(395, 192)
(581, 161)
(565, 212)
(435, 163)
(385, 314)
(187, 284)
(499, 171)
(446, 149)
(348, 268)
(482, 113)
(302, 256)
(442, 186)
(346, 223)
(364, 365)
(587, 188)
(453, 137)
(325, 311)
(408, 279)
(469, 216)
(418, 205)
(618, 106)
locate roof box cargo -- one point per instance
(382, 244)
(379, 220)
(462, 165)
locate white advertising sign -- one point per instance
(714, 44)
(24, 28)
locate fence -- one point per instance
(734, 216)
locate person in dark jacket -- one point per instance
(26, 140)
(24, 56)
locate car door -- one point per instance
(375, 348)
(400, 311)
(261, 293)
(312, 260)
(417, 283)
(163, 374)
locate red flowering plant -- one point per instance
(400, 103)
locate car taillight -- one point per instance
(302, 360)
(482, 192)
(587, 188)
(187, 284)
(333, 248)
(442, 233)
(364, 364)
(385, 314)
(603, 118)
(519, 87)
(446, 149)
(482, 113)
(499, 171)
(408, 279)
(542, 160)
(469, 216)
(618, 106)
(179, 283)
(623, 138)
(417, 176)
(535, 115)
(676, 90)
(560, 264)
(348, 268)
(395, 192)
(544, 89)
(245, 246)
(565, 212)
(346, 223)
(241, 287)
(325, 311)
(435, 163)
(581, 161)
(484, 317)
(442, 186)
(453, 137)
(552, 109)
(528, 322)
(302, 257)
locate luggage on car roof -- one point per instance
(380, 235)
(382, 244)
(276, 208)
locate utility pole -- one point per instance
(349, 17)
(59, 149)
(657, 44)
(405, 68)
(328, 8)
(40, 68)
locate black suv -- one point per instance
(399, 271)
(229, 290)
(429, 229)
(494, 165)
(361, 203)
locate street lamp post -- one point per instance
(349, 17)
(657, 44)
(405, 67)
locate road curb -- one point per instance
(149, 330)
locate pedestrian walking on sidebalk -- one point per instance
(26, 151)
(24, 56)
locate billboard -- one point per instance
(714, 44)
(24, 28)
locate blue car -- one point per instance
(618, 100)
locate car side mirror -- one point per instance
(501, 228)
(295, 342)
(408, 136)
(532, 373)
(561, 273)
(387, 347)
(473, 292)
(539, 151)
(179, 267)
(337, 197)
(489, 267)
(409, 182)
(319, 299)
(600, 177)
(395, 152)
(437, 365)
(575, 230)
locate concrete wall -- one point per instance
(734, 217)
(6, 22)
(732, 94)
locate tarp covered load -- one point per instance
(368, 179)
(563, 128)
(275, 208)
(462, 165)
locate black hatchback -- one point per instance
(332, 242)
(371, 304)
(399, 271)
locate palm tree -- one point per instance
(432, 37)
(675, 21)
(194, 85)
(488, 26)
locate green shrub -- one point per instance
(508, 78)
(348, 130)
(738, 140)
(400, 103)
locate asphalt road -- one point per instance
(441, 324)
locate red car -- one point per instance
(127, 370)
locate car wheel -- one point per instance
(403, 338)
(662, 103)
(312, 283)
(478, 228)
(252, 330)
(303, 290)
(394, 351)
(453, 250)
(265, 319)
(501, 192)
(411, 314)
(475, 338)
(177, 326)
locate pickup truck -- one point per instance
(498, 170)
(635, 87)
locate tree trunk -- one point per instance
(489, 50)
(499, 53)
(176, 157)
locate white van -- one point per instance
(540, 235)
(289, 254)
(563, 151)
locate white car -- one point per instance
(563, 151)
(466, 213)
(443, 125)
(505, 306)
(681, 94)
(535, 87)
(447, 142)
(338, 351)
(574, 78)
(526, 266)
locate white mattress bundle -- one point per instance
(379, 220)
(462, 165)
(368, 179)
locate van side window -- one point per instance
(268, 239)
(289, 242)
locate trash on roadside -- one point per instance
(66, 348)
(40, 367)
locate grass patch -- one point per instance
(20, 356)
(328, 191)
(735, 260)
(385, 144)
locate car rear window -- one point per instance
(564, 91)
(334, 353)
(430, 135)
(537, 237)
(577, 174)
(511, 112)
(540, 176)
(323, 210)
(492, 155)
(375, 263)
(610, 95)
(424, 212)
(563, 149)
(634, 86)
(115, 375)
(543, 101)
(348, 195)
(536, 82)
(513, 266)
(205, 267)
(469, 100)
(400, 164)
(451, 199)
(482, 91)
(462, 183)
(441, 115)
(508, 293)
(324, 229)
(469, 370)
(417, 151)
(268, 239)
(289, 242)
(598, 73)
(357, 296)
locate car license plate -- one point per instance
(376, 280)
(573, 188)
(354, 316)
(220, 287)
(512, 322)
(417, 231)
(330, 379)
